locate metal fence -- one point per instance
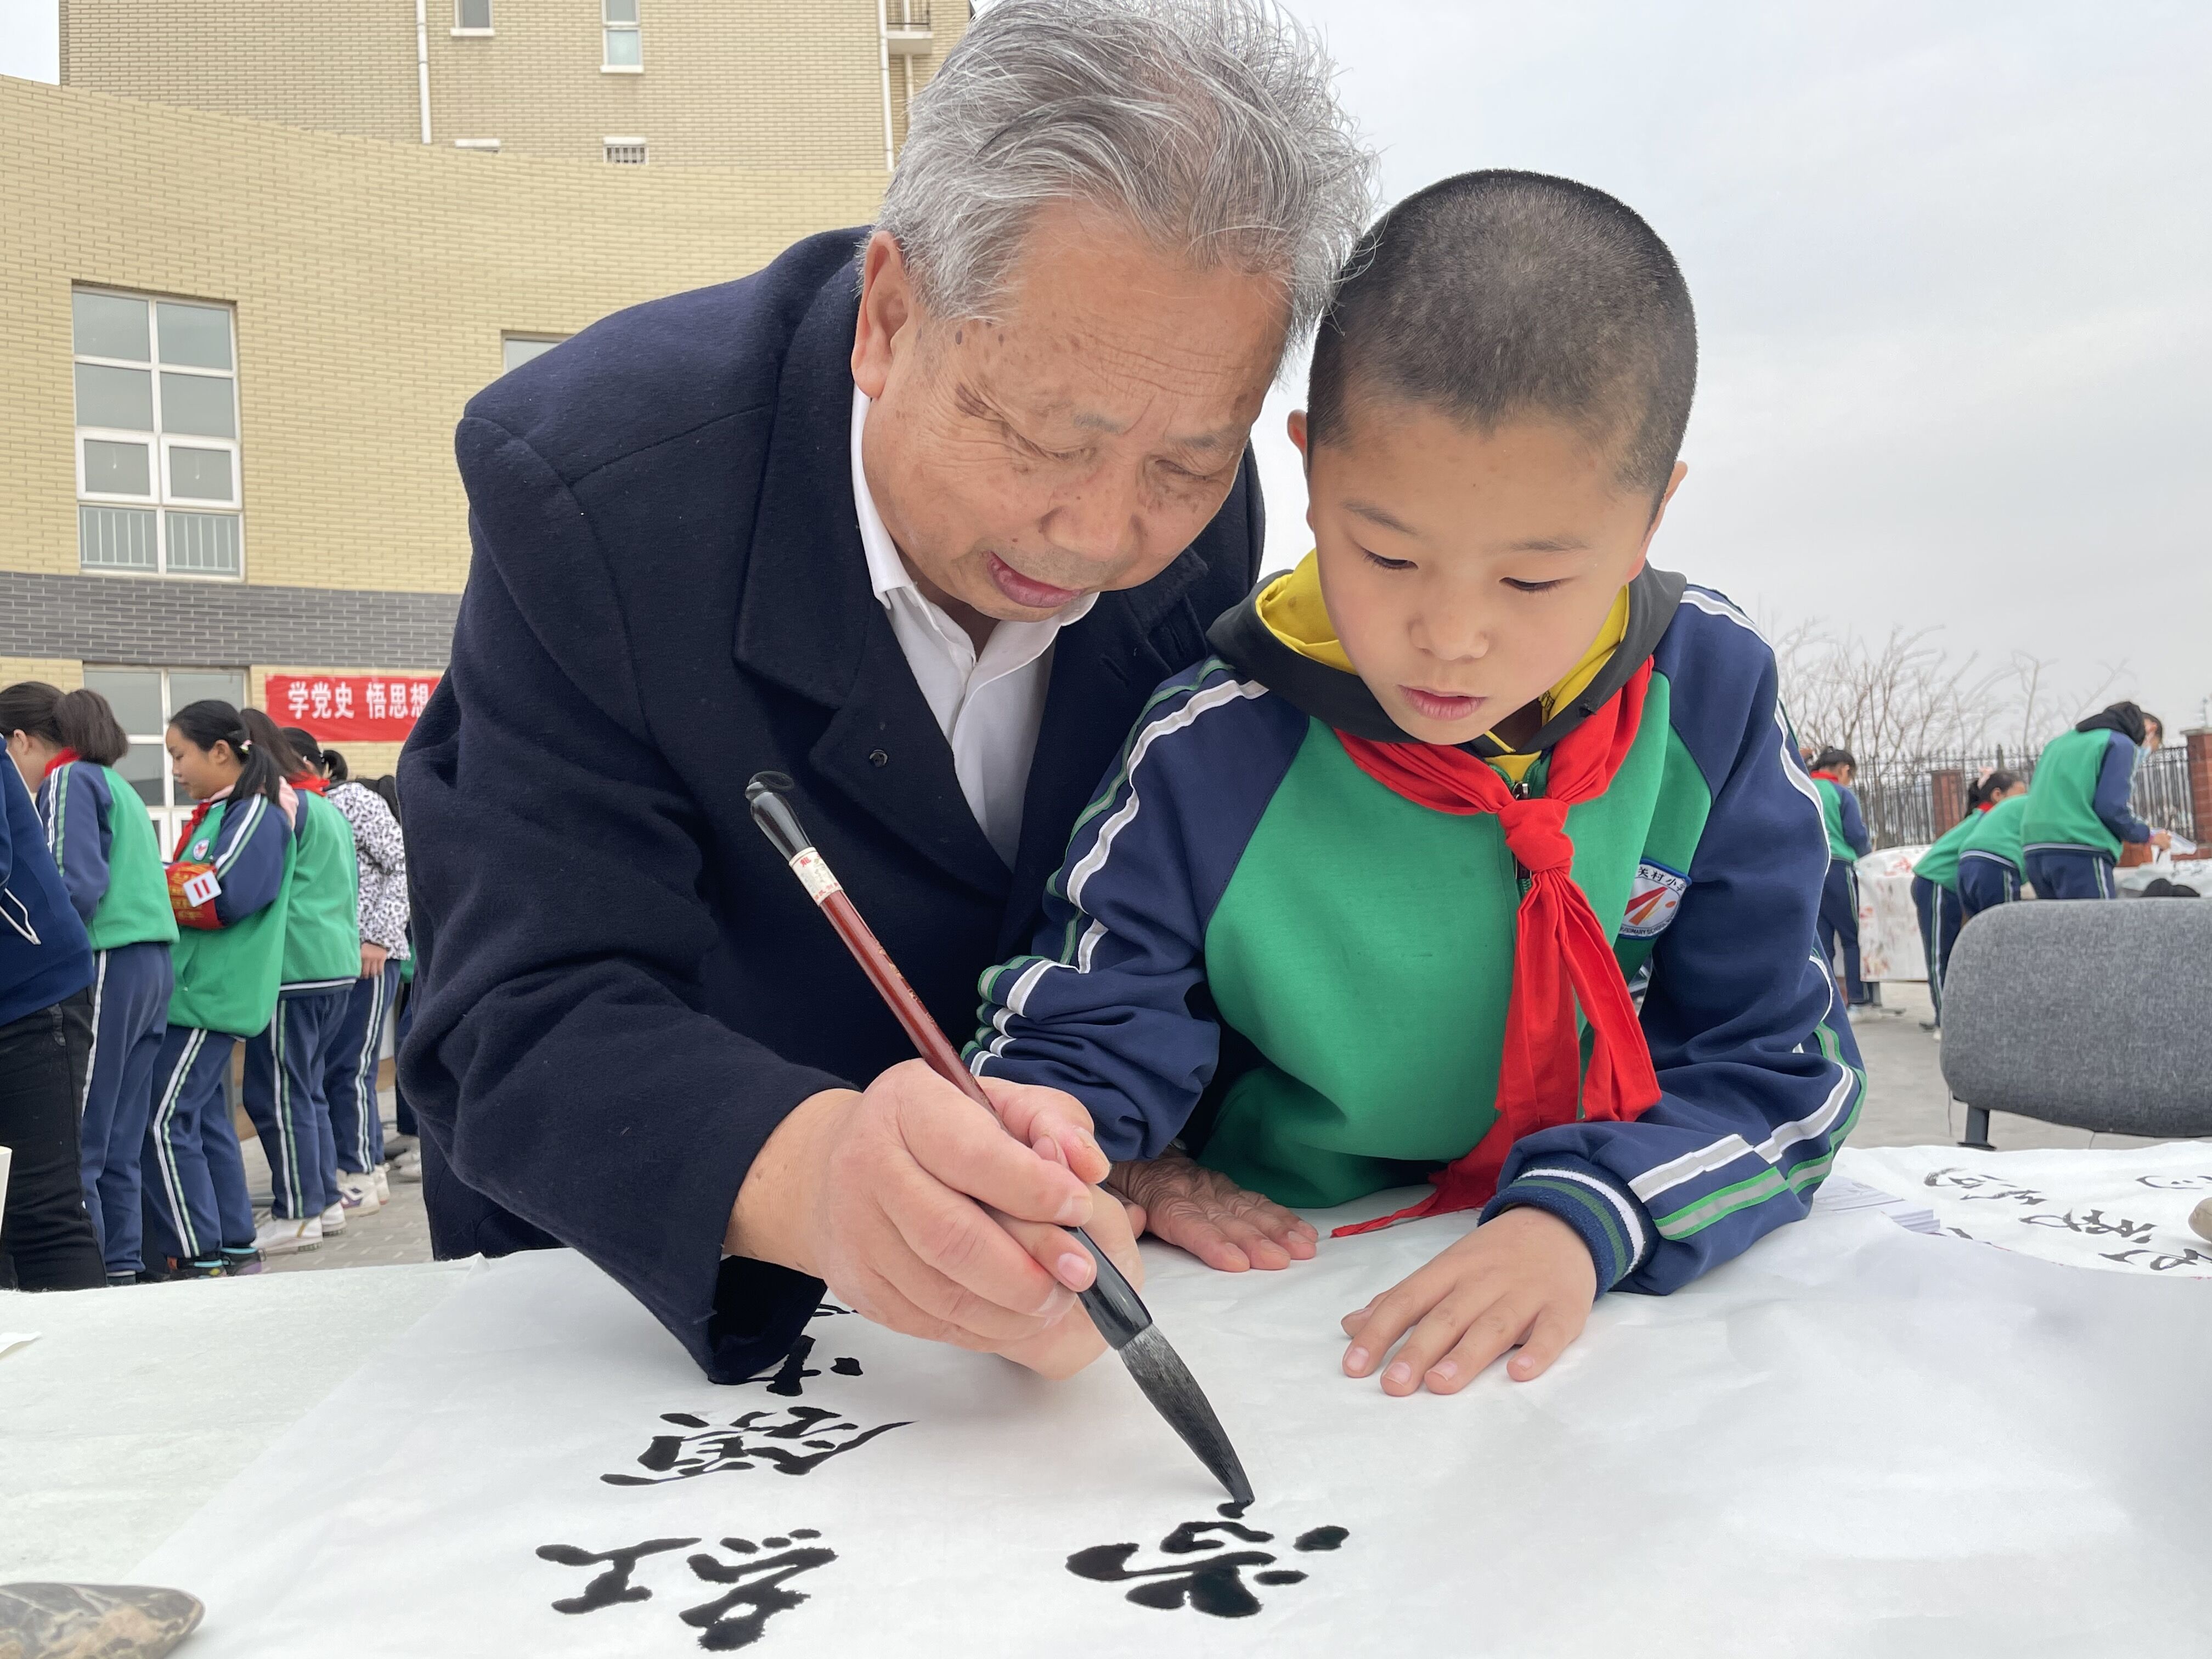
(1899, 797)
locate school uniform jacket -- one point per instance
(2078, 801)
(1245, 917)
(623, 989)
(44, 954)
(227, 975)
(1844, 824)
(103, 842)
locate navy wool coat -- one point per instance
(623, 990)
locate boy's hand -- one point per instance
(1211, 1216)
(1522, 1277)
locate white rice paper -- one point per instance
(1853, 1441)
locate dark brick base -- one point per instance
(166, 622)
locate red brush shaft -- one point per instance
(883, 973)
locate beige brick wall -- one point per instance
(770, 84)
(54, 671)
(372, 283)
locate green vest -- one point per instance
(2061, 810)
(1997, 830)
(1832, 817)
(1940, 863)
(227, 976)
(135, 909)
(322, 927)
(1317, 937)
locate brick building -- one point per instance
(252, 263)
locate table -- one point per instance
(1875, 1440)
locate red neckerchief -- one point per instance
(1561, 956)
(62, 758)
(1830, 777)
(310, 782)
(191, 823)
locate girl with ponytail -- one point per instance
(285, 1094)
(66, 744)
(1990, 856)
(227, 888)
(1937, 898)
(350, 1053)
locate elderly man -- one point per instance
(923, 529)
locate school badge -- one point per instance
(1653, 898)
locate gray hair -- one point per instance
(1210, 125)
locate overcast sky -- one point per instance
(1952, 266)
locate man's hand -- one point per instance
(1524, 1277)
(2161, 839)
(1211, 1216)
(373, 958)
(889, 1197)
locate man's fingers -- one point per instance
(1548, 1338)
(962, 1147)
(1034, 1116)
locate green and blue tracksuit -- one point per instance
(1990, 860)
(1848, 843)
(196, 1206)
(1935, 902)
(284, 1092)
(1256, 946)
(103, 842)
(2078, 814)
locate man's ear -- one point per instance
(887, 306)
(1297, 428)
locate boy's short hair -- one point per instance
(1498, 295)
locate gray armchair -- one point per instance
(2093, 1014)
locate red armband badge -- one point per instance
(193, 891)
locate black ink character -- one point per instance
(790, 1378)
(829, 1309)
(2174, 1184)
(613, 1586)
(1977, 1186)
(2092, 1222)
(1214, 1585)
(753, 1437)
(760, 1588)
(2161, 1262)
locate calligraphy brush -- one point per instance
(1112, 1302)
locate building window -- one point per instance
(472, 16)
(626, 152)
(518, 348)
(488, 144)
(623, 49)
(144, 700)
(157, 474)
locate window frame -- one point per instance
(471, 31)
(609, 27)
(162, 501)
(608, 145)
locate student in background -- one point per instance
(2077, 812)
(350, 1058)
(1989, 859)
(228, 889)
(46, 1239)
(1936, 899)
(407, 1161)
(66, 744)
(320, 961)
(1834, 770)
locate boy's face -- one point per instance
(1466, 572)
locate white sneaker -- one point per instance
(408, 1166)
(383, 1184)
(277, 1237)
(334, 1219)
(357, 1194)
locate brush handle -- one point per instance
(1111, 1301)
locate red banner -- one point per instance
(355, 707)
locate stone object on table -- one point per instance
(2200, 1219)
(94, 1621)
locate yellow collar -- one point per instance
(1292, 608)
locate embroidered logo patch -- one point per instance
(1653, 900)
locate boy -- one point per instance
(1345, 843)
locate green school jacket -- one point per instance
(135, 909)
(1997, 832)
(322, 928)
(1940, 863)
(227, 976)
(2061, 796)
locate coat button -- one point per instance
(877, 757)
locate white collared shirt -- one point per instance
(988, 705)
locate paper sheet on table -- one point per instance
(9, 1339)
(1853, 1441)
(2123, 1209)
